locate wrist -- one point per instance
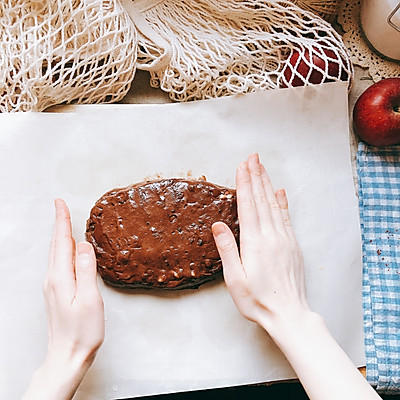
(317, 358)
(296, 323)
(72, 358)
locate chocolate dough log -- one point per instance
(157, 234)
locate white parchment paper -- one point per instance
(191, 339)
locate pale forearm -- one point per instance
(56, 380)
(322, 366)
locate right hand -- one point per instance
(267, 284)
(267, 279)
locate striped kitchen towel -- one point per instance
(379, 201)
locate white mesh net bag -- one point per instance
(198, 49)
(324, 8)
(63, 51)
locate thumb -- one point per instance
(85, 268)
(228, 251)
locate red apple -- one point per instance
(376, 114)
(306, 67)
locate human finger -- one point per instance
(276, 215)
(51, 251)
(229, 253)
(53, 238)
(284, 207)
(247, 212)
(85, 270)
(61, 266)
(259, 194)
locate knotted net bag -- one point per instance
(63, 51)
(199, 49)
(324, 8)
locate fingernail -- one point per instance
(281, 197)
(218, 229)
(84, 248)
(281, 193)
(254, 159)
(57, 203)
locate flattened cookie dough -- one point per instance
(157, 234)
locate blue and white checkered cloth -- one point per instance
(379, 196)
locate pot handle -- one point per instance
(391, 15)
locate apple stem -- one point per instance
(396, 109)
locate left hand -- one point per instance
(74, 307)
(75, 314)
